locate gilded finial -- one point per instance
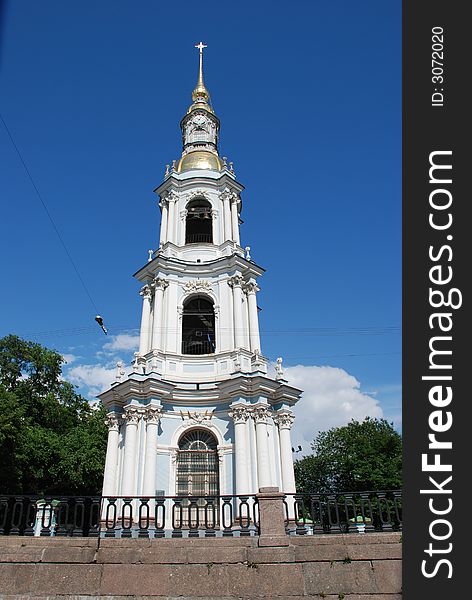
(200, 90)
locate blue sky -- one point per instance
(309, 97)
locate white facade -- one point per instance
(199, 369)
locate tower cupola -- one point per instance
(200, 129)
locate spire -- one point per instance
(200, 91)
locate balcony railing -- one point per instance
(198, 347)
(198, 238)
(348, 512)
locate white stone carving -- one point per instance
(197, 285)
(119, 371)
(197, 418)
(279, 372)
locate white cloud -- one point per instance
(92, 378)
(331, 398)
(122, 341)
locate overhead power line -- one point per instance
(66, 250)
(313, 331)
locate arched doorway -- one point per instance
(197, 464)
(198, 326)
(199, 223)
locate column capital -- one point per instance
(112, 421)
(131, 415)
(260, 413)
(146, 291)
(284, 419)
(160, 283)
(251, 287)
(239, 413)
(236, 281)
(228, 194)
(152, 415)
(171, 196)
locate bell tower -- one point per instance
(199, 378)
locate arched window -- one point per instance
(199, 223)
(198, 326)
(197, 464)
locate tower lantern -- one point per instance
(199, 382)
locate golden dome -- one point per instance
(199, 159)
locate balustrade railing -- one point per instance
(347, 512)
(120, 516)
(196, 516)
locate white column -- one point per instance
(240, 415)
(171, 220)
(131, 418)
(235, 220)
(254, 338)
(284, 420)
(164, 217)
(145, 334)
(152, 418)
(228, 232)
(260, 414)
(159, 287)
(111, 461)
(236, 283)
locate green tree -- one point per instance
(359, 456)
(51, 439)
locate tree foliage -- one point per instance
(360, 456)
(51, 439)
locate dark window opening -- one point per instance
(199, 223)
(198, 327)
